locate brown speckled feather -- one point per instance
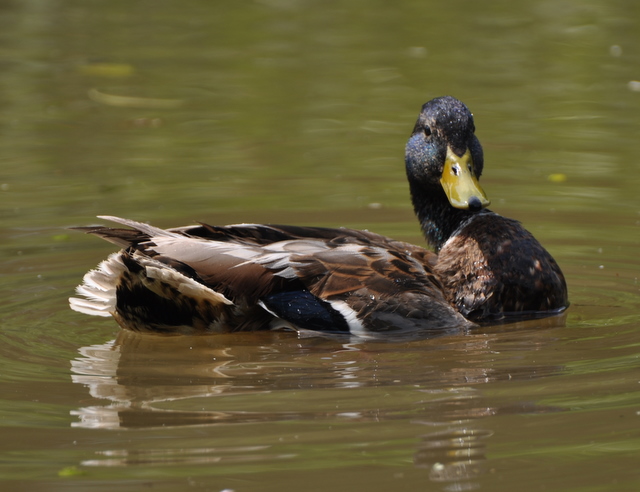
(493, 267)
(388, 284)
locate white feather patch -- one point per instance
(195, 249)
(185, 285)
(350, 316)
(99, 288)
(92, 308)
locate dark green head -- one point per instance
(443, 156)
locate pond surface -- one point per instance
(297, 111)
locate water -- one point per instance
(292, 111)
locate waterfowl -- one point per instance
(207, 279)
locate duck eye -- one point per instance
(427, 131)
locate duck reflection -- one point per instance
(431, 387)
(138, 373)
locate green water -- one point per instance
(297, 111)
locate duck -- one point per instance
(479, 268)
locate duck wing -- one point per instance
(374, 287)
(248, 277)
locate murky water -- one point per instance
(293, 111)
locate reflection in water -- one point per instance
(454, 455)
(158, 382)
(132, 402)
(199, 456)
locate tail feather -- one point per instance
(99, 288)
(92, 308)
(140, 226)
(144, 294)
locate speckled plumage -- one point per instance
(493, 268)
(207, 279)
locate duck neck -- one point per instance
(438, 219)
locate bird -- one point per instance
(479, 268)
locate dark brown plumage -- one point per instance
(493, 268)
(204, 279)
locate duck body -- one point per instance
(208, 279)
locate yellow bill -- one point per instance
(460, 183)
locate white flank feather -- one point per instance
(350, 316)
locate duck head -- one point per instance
(444, 160)
(443, 152)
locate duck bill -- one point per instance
(460, 183)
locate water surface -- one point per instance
(292, 111)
